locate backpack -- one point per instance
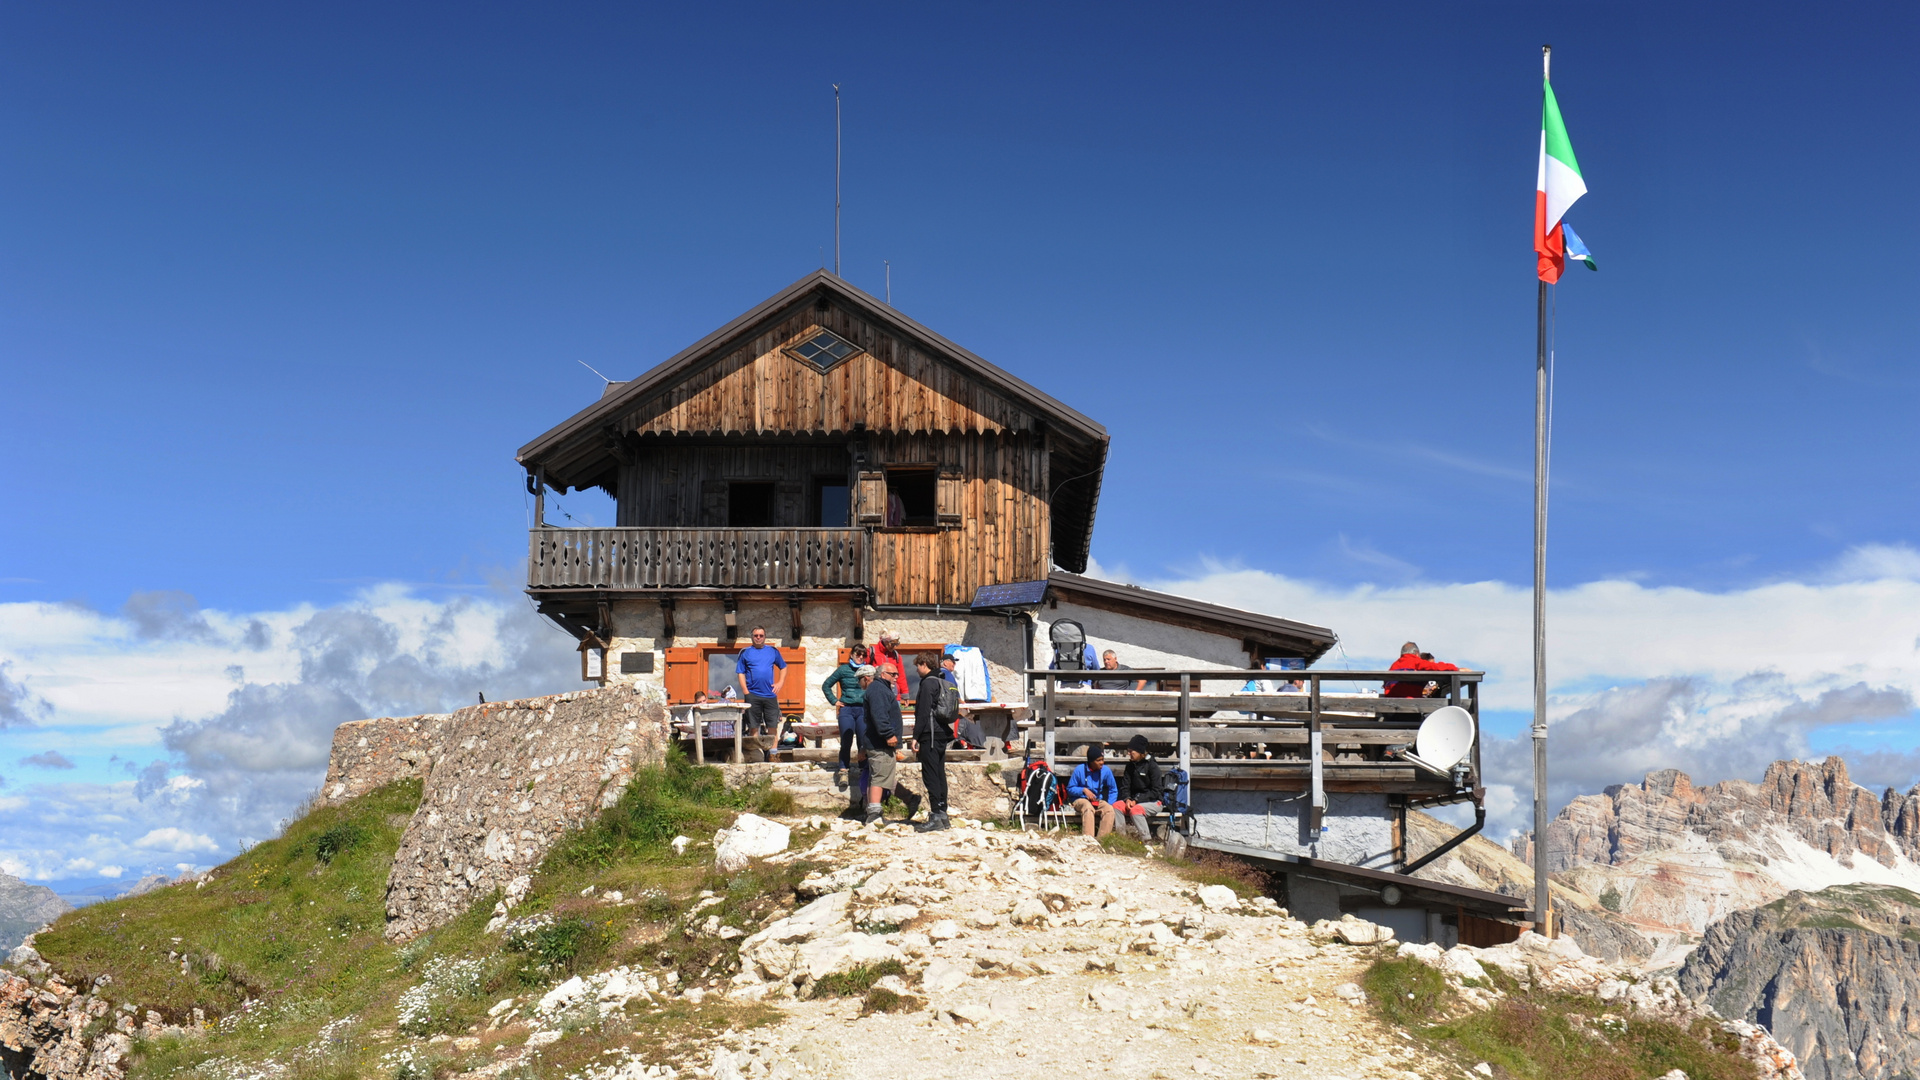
(1173, 792)
(1039, 788)
(948, 709)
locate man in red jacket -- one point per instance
(1411, 660)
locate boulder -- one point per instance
(1028, 910)
(822, 957)
(751, 837)
(944, 975)
(1458, 963)
(1427, 953)
(1219, 898)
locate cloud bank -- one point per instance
(166, 732)
(203, 730)
(1717, 684)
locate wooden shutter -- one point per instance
(871, 499)
(793, 695)
(686, 674)
(948, 495)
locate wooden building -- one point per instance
(828, 468)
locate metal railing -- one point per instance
(639, 558)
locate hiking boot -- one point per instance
(873, 813)
(936, 822)
(912, 799)
(840, 777)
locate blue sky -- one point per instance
(282, 289)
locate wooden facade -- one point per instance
(931, 471)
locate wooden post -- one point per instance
(1047, 721)
(699, 735)
(739, 747)
(1316, 767)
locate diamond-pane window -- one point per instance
(824, 348)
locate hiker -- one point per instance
(1139, 789)
(931, 734)
(1109, 661)
(755, 669)
(1093, 791)
(880, 739)
(947, 670)
(1411, 659)
(699, 697)
(844, 692)
(886, 655)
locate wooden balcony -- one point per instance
(697, 559)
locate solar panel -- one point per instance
(1012, 594)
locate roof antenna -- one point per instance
(836, 179)
(590, 367)
(889, 265)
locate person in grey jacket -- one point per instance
(879, 740)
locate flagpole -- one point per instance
(1540, 892)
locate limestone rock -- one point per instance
(1219, 898)
(504, 781)
(750, 837)
(944, 975)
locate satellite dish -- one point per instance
(1445, 737)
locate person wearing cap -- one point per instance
(1139, 789)
(1094, 791)
(879, 740)
(930, 738)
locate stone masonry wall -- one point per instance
(372, 753)
(506, 779)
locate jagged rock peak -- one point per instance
(1814, 800)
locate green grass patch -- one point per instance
(883, 1000)
(285, 942)
(1121, 844)
(1537, 1035)
(857, 981)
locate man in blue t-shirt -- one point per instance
(755, 668)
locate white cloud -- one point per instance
(112, 871)
(172, 839)
(1715, 683)
(220, 722)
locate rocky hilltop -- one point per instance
(25, 908)
(1673, 858)
(1835, 975)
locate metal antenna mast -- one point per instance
(889, 265)
(836, 179)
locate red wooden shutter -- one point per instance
(793, 695)
(686, 674)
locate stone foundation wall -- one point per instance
(973, 789)
(373, 753)
(504, 780)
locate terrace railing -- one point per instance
(697, 558)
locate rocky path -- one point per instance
(1027, 955)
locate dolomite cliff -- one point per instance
(1673, 858)
(1835, 976)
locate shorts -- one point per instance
(881, 768)
(763, 713)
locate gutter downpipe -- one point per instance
(1479, 822)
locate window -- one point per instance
(824, 348)
(910, 496)
(832, 502)
(749, 504)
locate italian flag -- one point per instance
(1558, 186)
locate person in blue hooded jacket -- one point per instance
(1094, 791)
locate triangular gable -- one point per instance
(744, 379)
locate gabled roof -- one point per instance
(1297, 638)
(579, 452)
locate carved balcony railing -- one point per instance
(697, 558)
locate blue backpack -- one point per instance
(1173, 794)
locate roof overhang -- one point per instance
(1487, 905)
(1282, 637)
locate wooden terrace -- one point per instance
(723, 558)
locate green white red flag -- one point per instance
(1557, 188)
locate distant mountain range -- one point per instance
(25, 908)
(1791, 902)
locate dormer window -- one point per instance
(823, 349)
